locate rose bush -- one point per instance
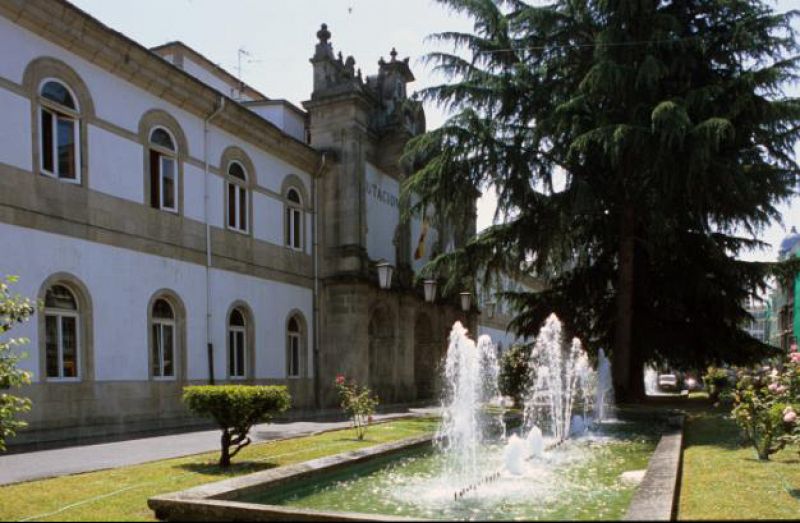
(357, 402)
(766, 402)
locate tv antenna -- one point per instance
(248, 59)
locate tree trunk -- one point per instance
(623, 335)
(225, 456)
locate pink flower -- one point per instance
(794, 357)
(340, 379)
(773, 387)
(790, 417)
(780, 389)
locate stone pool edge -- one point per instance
(217, 501)
(656, 498)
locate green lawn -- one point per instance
(121, 494)
(723, 480)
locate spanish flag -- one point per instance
(419, 253)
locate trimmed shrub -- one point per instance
(235, 409)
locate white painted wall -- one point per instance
(283, 116)
(15, 131)
(383, 213)
(121, 283)
(118, 159)
(115, 165)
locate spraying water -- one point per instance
(558, 373)
(470, 373)
(604, 389)
(650, 381)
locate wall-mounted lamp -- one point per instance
(430, 290)
(385, 271)
(466, 299)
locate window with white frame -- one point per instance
(62, 337)
(293, 348)
(237, 197)
(163, 339)
(293, 234)
(59, 132)
(163, 171)
(237, 337)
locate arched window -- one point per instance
(294, 354)
(62, 336)
(163, 170)
(163, 339)
(237, 197)
(237, 338)
(59, 133)
(293, 235)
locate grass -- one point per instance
(121, 494)
(724, 480)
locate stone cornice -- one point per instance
(67, 26)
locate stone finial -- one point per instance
(381, 61)
(339, 57)
(358, 75)
(350, 65)
(323, 34)
(393, 54)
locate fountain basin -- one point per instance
(402, 480)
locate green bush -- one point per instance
(716, 382)
(235, 409)
(13, 309)
(766, 403)
(515, 372)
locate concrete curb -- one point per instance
(218, 501)
(656, 499)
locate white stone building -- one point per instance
(181, 227)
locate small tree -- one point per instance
(235, 409)
(13, 309)
(515, 371)
(357, 402)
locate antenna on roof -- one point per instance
(242, 52)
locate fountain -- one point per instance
(470, 372)
(541, 469)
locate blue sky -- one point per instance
(279, 36)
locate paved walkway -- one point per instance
(85, 458)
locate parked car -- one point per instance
(668, 382)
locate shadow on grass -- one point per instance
(212, 469)
(795, 493)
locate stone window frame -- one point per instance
(37, 72)
(179, 357)
(163, 152)
(291, 182)
(302, 336)
(159, 119)
(249, 342)
(233, 154)
(59, 112)
(85, 333)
